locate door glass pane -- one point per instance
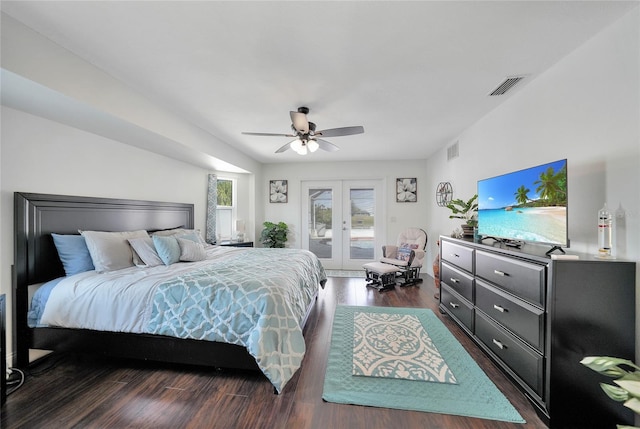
(362, 237)
(320, 220)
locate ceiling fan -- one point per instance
(306, 135)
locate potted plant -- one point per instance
(466, 210)
(274, 234)
(627, 388)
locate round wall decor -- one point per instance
(444, 193)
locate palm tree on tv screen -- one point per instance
(521, 195)
(552, 186)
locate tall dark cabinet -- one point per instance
(537, 317)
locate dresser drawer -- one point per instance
(525, 362)
(456, 306)
(458, 255)
(523, 319)
(458, 280)
(523, 279)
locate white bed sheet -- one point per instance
(118, 301)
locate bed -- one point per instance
(269, 292)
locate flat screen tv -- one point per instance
(526, 206)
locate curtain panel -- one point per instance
(212, 205)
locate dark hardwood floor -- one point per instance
(77, 391)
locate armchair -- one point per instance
(401, 262)
(407, 254)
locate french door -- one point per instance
(344, 221)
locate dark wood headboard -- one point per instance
(36, 216)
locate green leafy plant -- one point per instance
(627, 388)
(465, 210)
(274, 234)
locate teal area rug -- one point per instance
(345, 273)
(473, 394)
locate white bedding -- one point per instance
(117, 301)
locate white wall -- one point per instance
(586, 109)
(396, 216)
(42, 156)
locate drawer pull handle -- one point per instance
(499, 344)
(454, 305)
(500, 308)
(500, 273)
(455, 255)
(454, 280)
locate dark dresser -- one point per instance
(537, 317)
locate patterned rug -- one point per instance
(396, 346)
(472, 395)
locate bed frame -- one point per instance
(36, 260)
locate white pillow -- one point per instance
(146, 251)
(180, 232)
(110, 251)
(170, 232)
(190, 251)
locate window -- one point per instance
(226, 209)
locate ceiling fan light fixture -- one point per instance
(302, 150)
(296, 145)
(312, 145)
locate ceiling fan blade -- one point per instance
(269, 134)
(300, 122)
(325, 145)
(337, 132)
(285, 147)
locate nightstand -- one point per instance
(236, 243)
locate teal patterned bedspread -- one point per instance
(256, 299)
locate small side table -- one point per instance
(236, 243)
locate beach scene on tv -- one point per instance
(528, 205)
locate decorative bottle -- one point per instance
(605, 232)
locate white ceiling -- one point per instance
(414, 74)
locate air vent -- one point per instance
(452, 151)
(506, 85)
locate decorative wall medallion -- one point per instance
(444, 194)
